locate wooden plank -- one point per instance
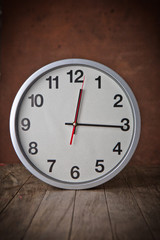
(128, 208)
(14, 177)
(16, 217)
(127, 221)
(53, 219)
(145, 185)
(91, 219)
(5, 169)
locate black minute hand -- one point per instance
(94, 125)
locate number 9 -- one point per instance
(25, 124)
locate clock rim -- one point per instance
(14, 134)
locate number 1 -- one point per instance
(99, 81)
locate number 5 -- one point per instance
(100, 165)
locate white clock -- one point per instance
(75, 124)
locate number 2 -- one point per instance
(119, 98)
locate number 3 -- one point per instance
(126, 126)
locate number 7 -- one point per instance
(52, 161)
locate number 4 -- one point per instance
(117, 148)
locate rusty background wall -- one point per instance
(124, 35)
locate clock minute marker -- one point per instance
(77, 111)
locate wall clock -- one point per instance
(75, 124)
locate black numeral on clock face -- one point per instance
(51, 80)
(33, 148)
(78, 73)
(126, 125)
(74, 172)
(119, 99)
(99, 166)
(52, 161)
(36, 100)
(25, 122)
(98, 79)
(117, 148)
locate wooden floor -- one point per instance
(127, 207)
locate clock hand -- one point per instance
(94, 125)
(77, 111)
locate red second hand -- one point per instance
(72, 135)
(77, 110)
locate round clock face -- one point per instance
(75, 124)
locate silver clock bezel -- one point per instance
(13, 124)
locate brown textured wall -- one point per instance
(120, 34)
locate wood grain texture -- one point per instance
(91, 219)
(145, 186)
(5, 170)
(13, 181)
(124, 35)
(53, 219)
(126, 218)
(127, 207)
(16, 217)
